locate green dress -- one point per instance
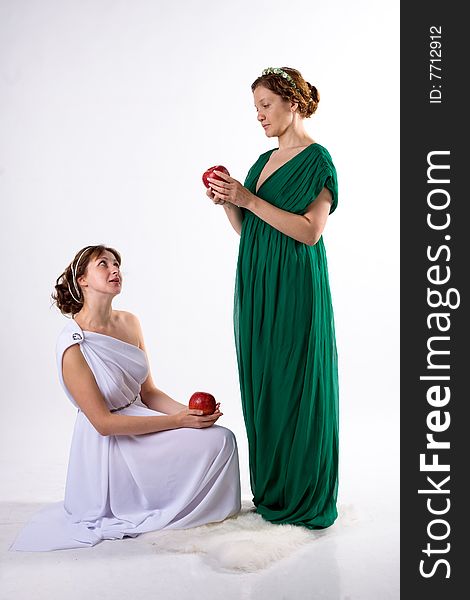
(286, 350)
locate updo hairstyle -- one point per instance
(304, 93)
(68, 295)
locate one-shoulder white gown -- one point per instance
(124, 485)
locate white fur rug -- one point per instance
(243, 543)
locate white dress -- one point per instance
(124, 485)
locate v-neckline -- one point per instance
(280, 167)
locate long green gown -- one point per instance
(286, 350)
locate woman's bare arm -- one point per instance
(234, 214)
(152, 396)
(82, 385)
(306, 228)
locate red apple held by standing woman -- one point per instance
(203, 401)
(210, 173)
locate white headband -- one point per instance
(74, 276)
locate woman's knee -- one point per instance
(225, 437)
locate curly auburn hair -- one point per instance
(68, 295)
(304, 93)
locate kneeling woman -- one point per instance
(139, 460)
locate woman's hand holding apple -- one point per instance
(230, 190)
(211, 195)
(190, 417)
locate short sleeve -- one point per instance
(330, 181)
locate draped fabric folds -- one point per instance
(286, 350)
(124, 485)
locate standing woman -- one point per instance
(283, 316)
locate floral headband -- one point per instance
(281, 73)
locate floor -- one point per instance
(357, 560)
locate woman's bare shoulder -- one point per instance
(128, 323)
(125, 317)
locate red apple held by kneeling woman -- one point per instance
(203, 401)
(210, 173)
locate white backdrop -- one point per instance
(109, 113)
